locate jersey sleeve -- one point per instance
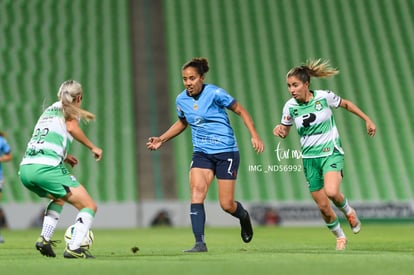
(223, 99)
(179, 110)
(333, 99)
(286, 117)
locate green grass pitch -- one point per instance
(377, 249)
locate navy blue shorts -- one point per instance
(224, 165)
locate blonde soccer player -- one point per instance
(43, 170)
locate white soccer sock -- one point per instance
(346, 208)
(83, 223)
(337, 231)
(50, 221)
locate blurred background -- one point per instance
(127, 54)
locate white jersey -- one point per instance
(315, 123)
(50, 141)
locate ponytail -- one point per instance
(68, 92)
(313, 68)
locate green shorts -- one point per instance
(316, 168)
(47, 180)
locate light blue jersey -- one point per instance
(4, 149)
(206, 114)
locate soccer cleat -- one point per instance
(353, 221)
(45, 247)
(198, 247)
(246, 228)
(340, 243)
(1, 239)
(80, 253)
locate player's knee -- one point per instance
(331, 194)
(198, 195)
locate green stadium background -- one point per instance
(250, 46)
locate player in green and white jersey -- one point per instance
(311, 112)
(43, 172)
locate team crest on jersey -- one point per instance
(195, 107)
(318, 106)
(287, 117)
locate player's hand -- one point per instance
(71, 160)
(258, 145)
(97, 153)
(280, 131)
(371, 128)
(154, 143)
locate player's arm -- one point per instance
(351, 107)
(6, 157)
(76, 132)
(177, 128)
(248, 121)
(281, 130)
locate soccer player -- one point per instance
(5, 156)
(323, 157)
(43, 172)
(203, 107)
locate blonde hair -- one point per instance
(68, 92)
(313, 68)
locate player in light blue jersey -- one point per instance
(5, 156)
(207, 117)
(323, 161)
(203, 107)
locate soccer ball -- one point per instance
(87, 241)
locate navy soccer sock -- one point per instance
(240, 211)
(198, 220)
